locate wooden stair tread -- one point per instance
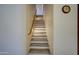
(39, 44)
(39, 32)
(39, 41)
(39, 51)
(36, 47)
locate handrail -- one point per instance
(32, 25)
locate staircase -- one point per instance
(39, 43)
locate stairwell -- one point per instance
(39, 43)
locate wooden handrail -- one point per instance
(32, 25)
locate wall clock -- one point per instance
(66, 9)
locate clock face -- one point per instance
(66, 9)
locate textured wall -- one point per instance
(61, 29)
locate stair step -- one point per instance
(39, 44)
(39, 37)
(38, 34)
(42, 23)
(38, 18)
(39, 52)
(39, 41)
(39, 28)
(38, 31)
(36, 47)
(39, 22)
(39, 25)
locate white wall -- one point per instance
(39, 9)
(48, 17)
(30, 12)
(61, 29)
(65, 30)
(13, 29)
